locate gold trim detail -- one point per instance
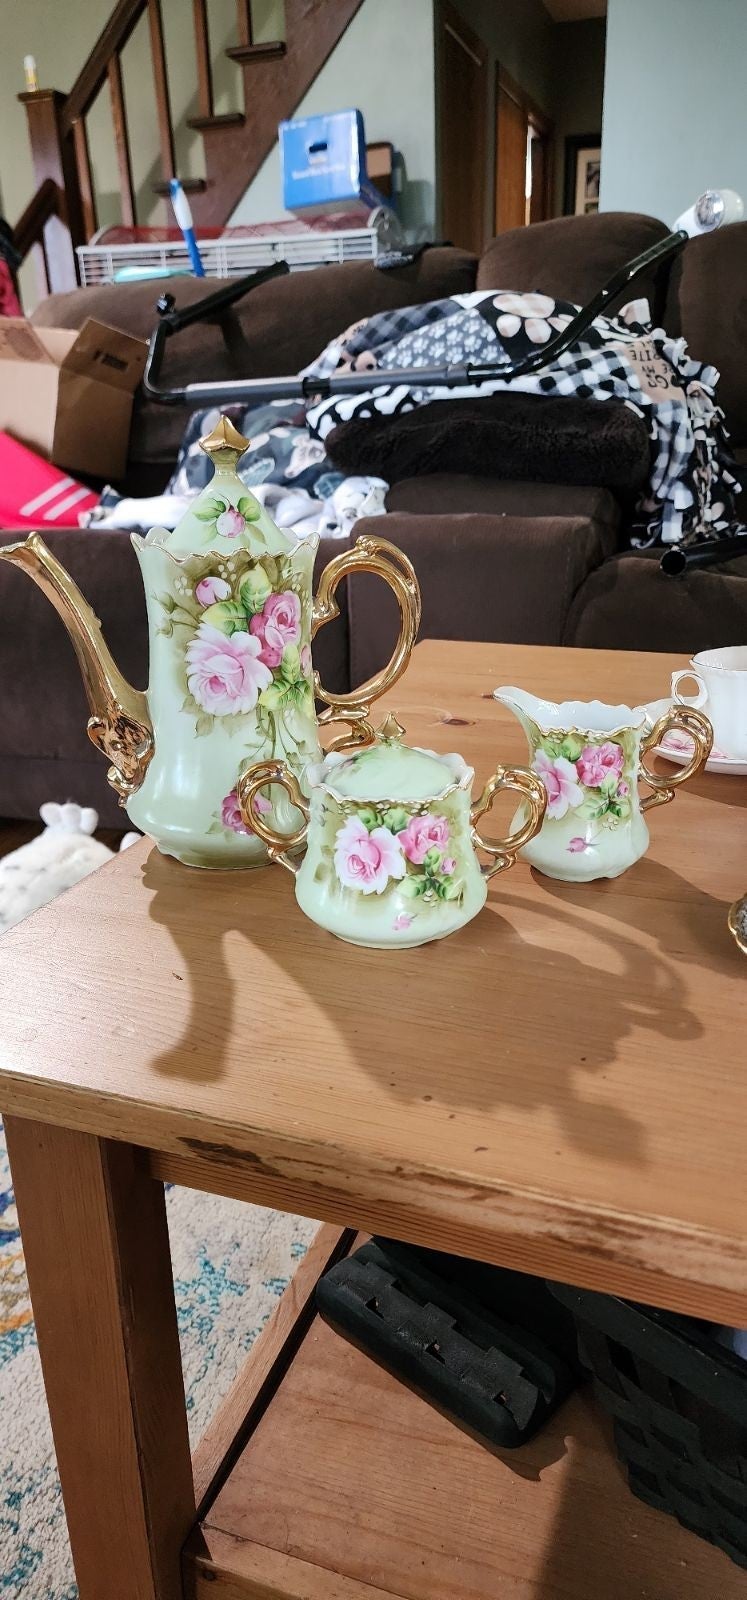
(700, 731)
(225, 445)
(534, 795)
(383, 559)
(120, 723)
(248, 787)
(737, 923)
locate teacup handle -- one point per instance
(700, 731)
(697, 700)
(532, 791)
(386, 561)
(248, 787)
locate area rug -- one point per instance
(231, 1263)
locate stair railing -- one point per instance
(59, 141)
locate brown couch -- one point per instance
(502, 560)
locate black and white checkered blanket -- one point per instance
(690, 493)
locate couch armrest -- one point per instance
(629, 604)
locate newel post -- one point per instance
(53, 156)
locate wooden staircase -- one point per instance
(276, 75)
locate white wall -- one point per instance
(675, 103)
(384, 66)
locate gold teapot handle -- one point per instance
(533, 793)
(248, 788)
(700, 731)
(386, 561)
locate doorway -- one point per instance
(523, 157)
(461, 121)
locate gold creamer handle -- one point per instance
(534, 795)
(385, 561)
(699, 728)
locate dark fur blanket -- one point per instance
(519, 436)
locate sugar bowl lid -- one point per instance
(389, 770)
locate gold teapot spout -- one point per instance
(119, 723)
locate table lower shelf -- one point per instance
(349, 1487)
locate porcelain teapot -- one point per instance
(390, 834)
(231, 620)
(590, 757)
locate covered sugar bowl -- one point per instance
(390, 835)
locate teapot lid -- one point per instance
(225, 516)
(390, 770)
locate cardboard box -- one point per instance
(68, 395)
(324, 165)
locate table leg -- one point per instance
(94, 1234)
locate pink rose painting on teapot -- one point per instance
(240, 621)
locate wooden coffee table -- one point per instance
(560, 1087)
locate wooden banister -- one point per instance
(204, 64)
(244, 26)
(161, 84)
(111, 42)
(53, 156)
(85, 176)
(28, 233)
(30, 225)
(121, 141)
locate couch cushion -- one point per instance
(572, 257)
(278, 328)
(541, 438)
(444, 494)
(45, 753)
(629, 604)
(481, 577)
(707, 303)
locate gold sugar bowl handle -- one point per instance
(248, 789)
(699, 728)
(383, 559)
(534, 795)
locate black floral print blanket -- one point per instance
(690, 495)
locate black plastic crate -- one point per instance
(679, 1406)
(492, 1349)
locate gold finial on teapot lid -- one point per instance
(224, 444)
(391, 728)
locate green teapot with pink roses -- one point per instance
(232, 617)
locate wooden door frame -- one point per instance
(539, 120)
(448, 19)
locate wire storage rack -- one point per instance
(229, 252)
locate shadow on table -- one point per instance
(702, 932)
(417, 1021)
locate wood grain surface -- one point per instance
(353, 1488)
(561, 1083)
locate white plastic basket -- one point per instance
(242, 249)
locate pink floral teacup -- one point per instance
(390, 836)
(590, 759)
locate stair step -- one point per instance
(189, 185)
(245, 54)
(227, 119)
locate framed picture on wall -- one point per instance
(583, 159)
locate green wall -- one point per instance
(675, 108)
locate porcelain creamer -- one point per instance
(590, 758)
